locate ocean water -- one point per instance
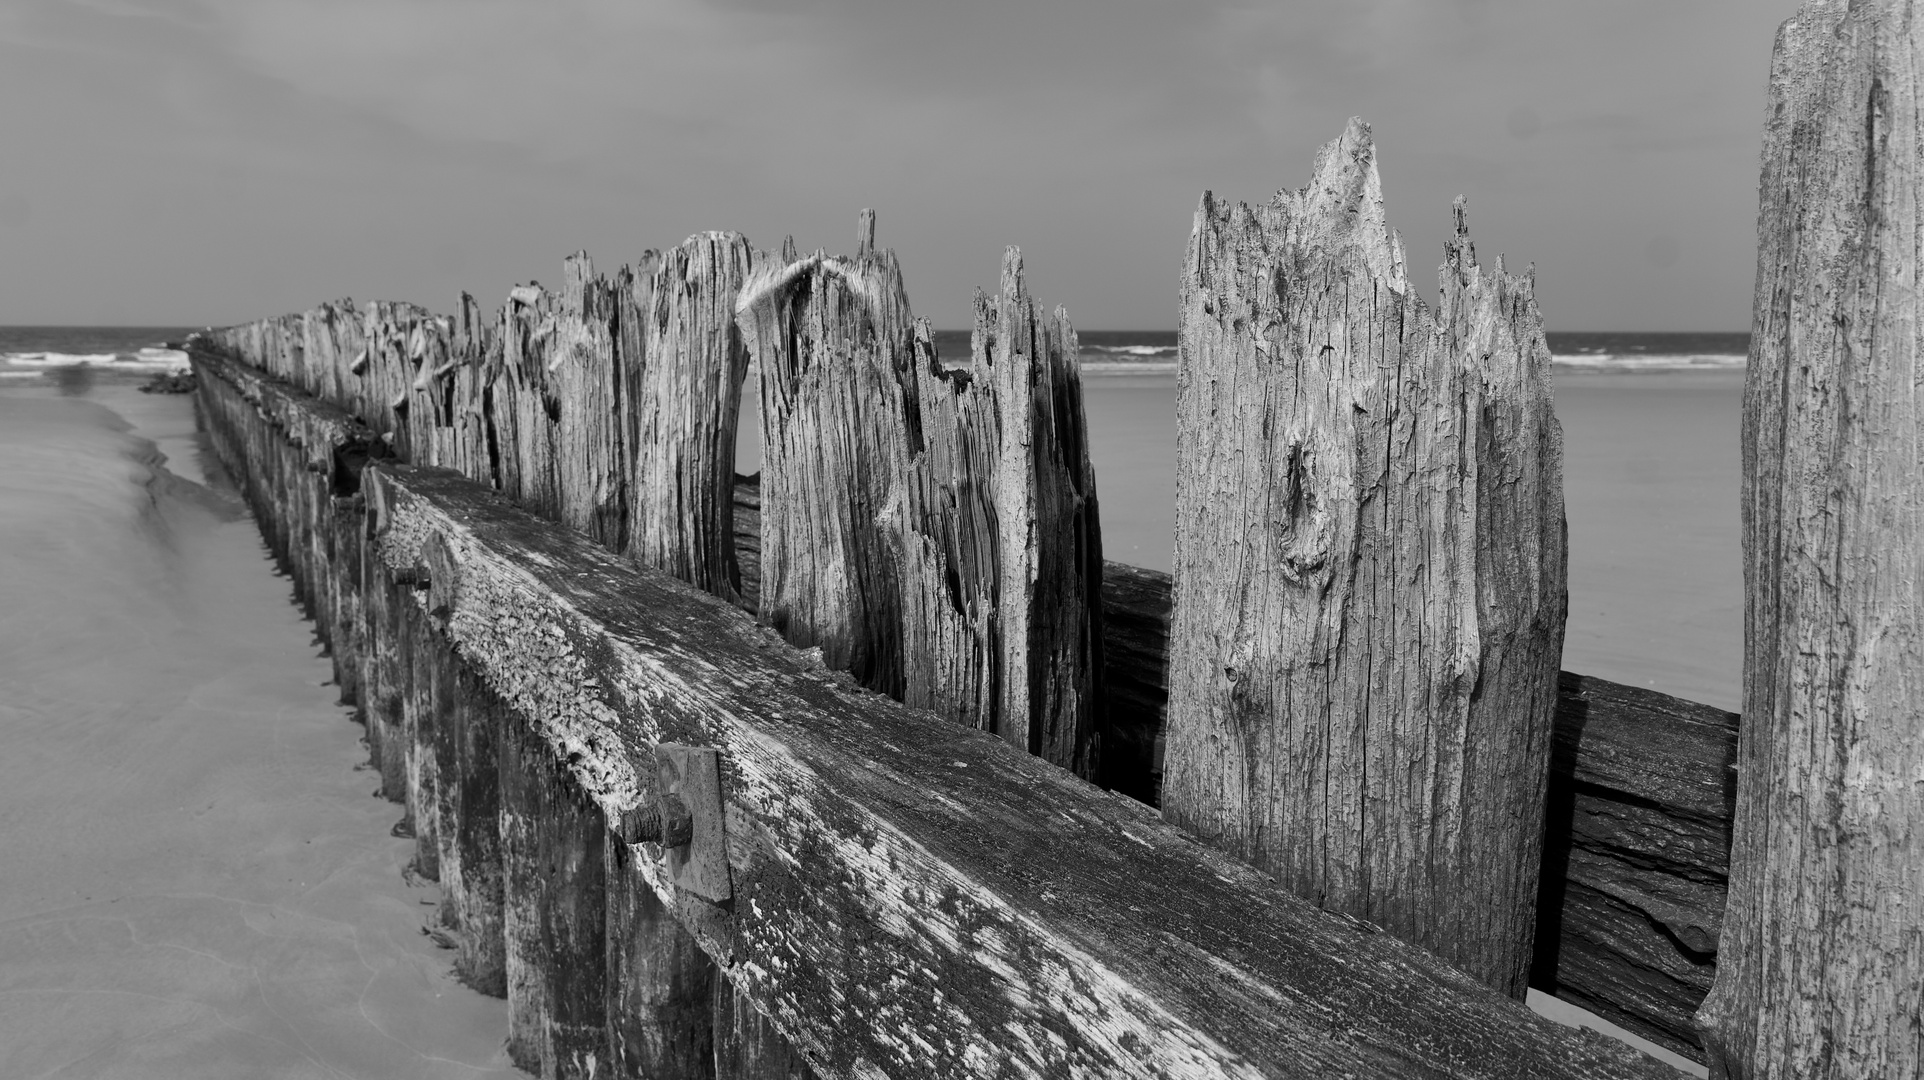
(198, 882)
(1153, 352)
(36, 352)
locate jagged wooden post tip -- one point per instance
(1369, 568)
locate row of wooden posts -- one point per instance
(1369, 570)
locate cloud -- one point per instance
(411, 147)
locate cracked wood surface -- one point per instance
(891, 912)
(1631, 754)
(1637, 815)
(1369, 568)
(1822, 947)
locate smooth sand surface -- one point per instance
(197, 883)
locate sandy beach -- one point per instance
(198, 884)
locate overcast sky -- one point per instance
(210, 161)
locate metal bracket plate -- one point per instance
(691, 777)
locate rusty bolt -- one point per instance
(649, 825)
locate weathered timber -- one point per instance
(999, 541)
(554, 911)
(1135, 672)
(415, 665)
(684, 398)
(880, 936)
(661, 1021)
(883, 936)
(748, 1046)
(1635, 856)
(471, 866)
(1637, 815)
(1369, 568)
(831, 337)
(1821, 961)
(1625, 757)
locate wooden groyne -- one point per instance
(904, 896)
(899, 894)
(851, 769)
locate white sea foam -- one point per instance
(1132, 350)
(1599, 361)
(1099, 365)
(151, 358)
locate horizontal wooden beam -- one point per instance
(910, 897)
(1637, 832)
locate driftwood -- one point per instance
(1369, 568)
(1822, 954)
(881, 938)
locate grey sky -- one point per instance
(208, 161)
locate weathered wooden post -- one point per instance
(1369, 568)
(831, 336)
(684, 382)
(554, 909)
(681, 365)
(1821, 960)
(1001, 545)
(747, 1045)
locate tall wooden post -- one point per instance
(1369, 568)
(684, 380)
(1001, 543)
(1821, 962)
(831, 336)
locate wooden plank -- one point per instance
(661, 986)
(749, 1046)
(1369, 568)
(472, 869)
(1623, 939)
(886, 935)
(1821, 958)
(1637, 816)
(998, 537)
(684, 400)
(1635, 856)
(554, 910)
(831, 337)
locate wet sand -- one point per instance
(197, 881)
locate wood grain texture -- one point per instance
(661, 986)
(1822, 947)
(750, 1047)
(999, 537)
(842, 874)
(1369, 568)
(885, 936)
(831, 338)
(685, 400)
(1637, 818)
(1635, 856)
(554, 911)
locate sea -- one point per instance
(198, 882)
